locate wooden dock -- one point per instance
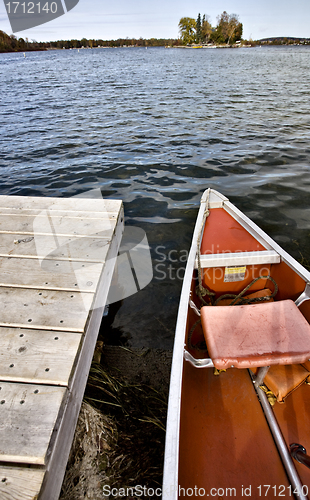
(57, 257)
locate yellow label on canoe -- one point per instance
(236, 273)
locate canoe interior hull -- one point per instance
(225, 441)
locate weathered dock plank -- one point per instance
(18, 483)
(44, 309)
(47, 224)
(68, 205)
(73, 214)
(28, 415)
(57, 257)
(36, 356)
(54, 247)
(50, 274)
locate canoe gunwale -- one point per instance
(170, 480)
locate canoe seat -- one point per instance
(256, 335)
(238, 259)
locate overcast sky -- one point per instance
(159, 18)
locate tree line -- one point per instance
(200, 31)
(120, 42)
(14, 44)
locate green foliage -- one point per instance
(238, 32)
(14, 44)
(227, 31)
(198, 29)
(206, 29)
(187, 28)
(222, 29)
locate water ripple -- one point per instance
(155, 128)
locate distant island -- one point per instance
(228, 30)
(227, 33)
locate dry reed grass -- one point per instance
(119, 439)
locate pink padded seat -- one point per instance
(274, 333)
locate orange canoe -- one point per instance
(239, 405)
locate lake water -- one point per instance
(155, 128)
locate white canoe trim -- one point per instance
(171, 462)
(238, 259)
(216, 199)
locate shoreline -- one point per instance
(248, 46)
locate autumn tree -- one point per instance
(222, 27)
(228, 29)
(187, 28)
(206, 28)
(234, 29)
(238, 32)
